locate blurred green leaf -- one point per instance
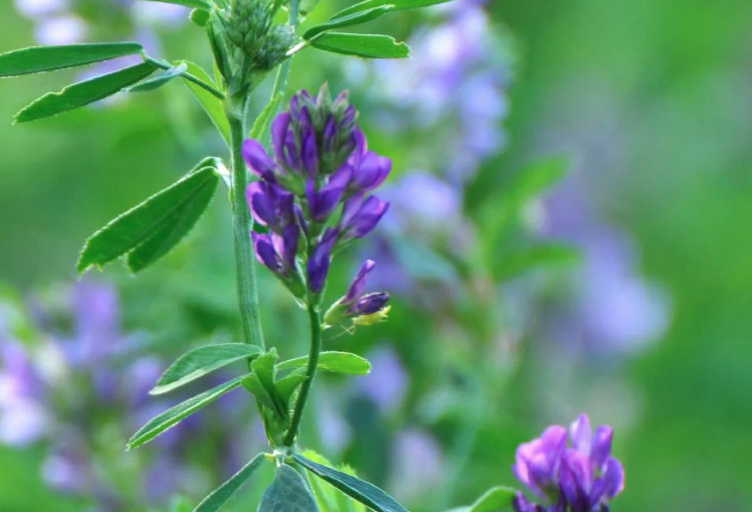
(148, 221)
(173, 416)
(84, 93)
(160, 79)
(329, 498)
(224, 492)
(201, 361)
(200, 17)
(288, 493)
(397, 5)
(371, 46)
(497, 499)
(360, 490)
(264, 119)
(49, 58)
(421, 262)
(346, 21)
(211, 104)
(335, 362)
(513, 263)
(196, 4)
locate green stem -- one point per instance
(242, 227)
(191, 78)
(314, 318)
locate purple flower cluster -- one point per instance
(320, 164)
(580, 478)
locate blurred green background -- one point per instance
(652, 101)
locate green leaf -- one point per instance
(200, 361)
(288, 385)
(159, 80)
(496, 499)
(346, 21)
(288, 493)
(329, 498)
(211, 104)
(264, 119)
(146, 221)
(50, 58)
(422, 262)
(173, 416)
(360, 490)
(513, 263)
(169, 236)
(195, 4)
(224, 492)
(200, 17)
(397, 5)
(251, 383)
(371, 46)
(265, 371)
(335, 362)
(83, 93)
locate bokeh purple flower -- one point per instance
(583, 477)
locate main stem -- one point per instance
(314, 318)
(242, 227)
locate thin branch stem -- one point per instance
(314, 318)
(247, 287)
(191, 78)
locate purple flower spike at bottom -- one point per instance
(580, 478)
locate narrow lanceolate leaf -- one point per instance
(177, 227)
(360, 490)
(496, 499)
(160, 79)
(211, 104)
(49, 58)
(224, 492)
(370, 46)
(138, 225)
(288, 493)
(397, 5)
(172, 417)
(264, 119)
(346, 21)
(83, 93)
(201, 361)
(194, 4)
(335, 362)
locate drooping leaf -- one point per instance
(50, 58)
(84, 93)
(371, 46)
(360, 490)
(511, 263)
(211, 104)
(335, 362)
(194, 4)
(147, 220)
(160, 79)
(497, 499)
(264, 119)
(288, 493)
(224, 492)
(173, 416)
(200, 361)
(398, 5)
(253, 384)
(169, 236)
(355, 18)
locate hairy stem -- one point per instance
(242, 227)
(314, 318)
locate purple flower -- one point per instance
(271, 205)
(277, 252)
(583, 477)
(369, 170)
(318, 264)
(361, 215)
(322, 203)
(356, 302)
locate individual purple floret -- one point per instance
(580, 478)
(356, 302)
(320, 164)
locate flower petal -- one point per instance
(600, 450)
(257, 159)
(581, 434)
